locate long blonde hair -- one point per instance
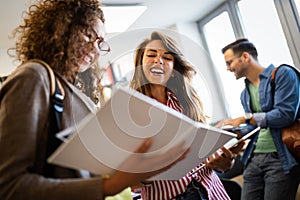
(180, 83)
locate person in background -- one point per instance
(271, 172)
(69, 36)
(162, 72)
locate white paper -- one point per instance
(100, 143)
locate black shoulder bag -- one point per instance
(56, 99)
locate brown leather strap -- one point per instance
(51, 76)
(274, 73)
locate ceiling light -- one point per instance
(120, 18)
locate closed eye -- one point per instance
(164, 57)
(151, 56)
(228, 63)
(167, 58)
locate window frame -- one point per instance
(289, 19)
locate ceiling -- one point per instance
(159, 13)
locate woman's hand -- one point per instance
(141, 166)
(223, 159)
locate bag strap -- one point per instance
(52, 77)
(273, 75)
(56, 99)
(273, 82)
(55, 120)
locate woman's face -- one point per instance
(93, 40)
(158, 63)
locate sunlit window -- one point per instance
(264, 29)
(297, 2)
(216, 41)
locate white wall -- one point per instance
(6, 66)
(189, 39)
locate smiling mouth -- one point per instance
(157, 71)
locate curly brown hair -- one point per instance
(50, 33)
(89, 82)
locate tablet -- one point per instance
(231, 143)
(234, 141)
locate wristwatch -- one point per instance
(248, 117)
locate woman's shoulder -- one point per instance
(31, 70)
(28, 76)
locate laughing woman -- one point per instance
(162, 72)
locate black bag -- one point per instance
(194, 191)
(57, 98)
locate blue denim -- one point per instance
(275, 115)
(264, 179)
(194, 191)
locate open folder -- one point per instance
(101, 142)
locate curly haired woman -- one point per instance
(68, 35)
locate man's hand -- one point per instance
(233, 122)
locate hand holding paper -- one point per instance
(142, 163)
(221, 160)
(138, 162)
(103, 142)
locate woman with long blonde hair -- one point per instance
(163, 73)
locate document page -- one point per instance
(101, 142)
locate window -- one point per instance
(297, 6)
(232, 87)
(264, 29)
(259, 22)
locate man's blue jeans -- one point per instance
(264, 179)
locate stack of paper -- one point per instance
(101, 142)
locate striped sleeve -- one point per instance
(168, 190)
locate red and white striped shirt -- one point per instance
(169, 189)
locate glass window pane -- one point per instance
(297, 2)
(215, 41)
(263, 28)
